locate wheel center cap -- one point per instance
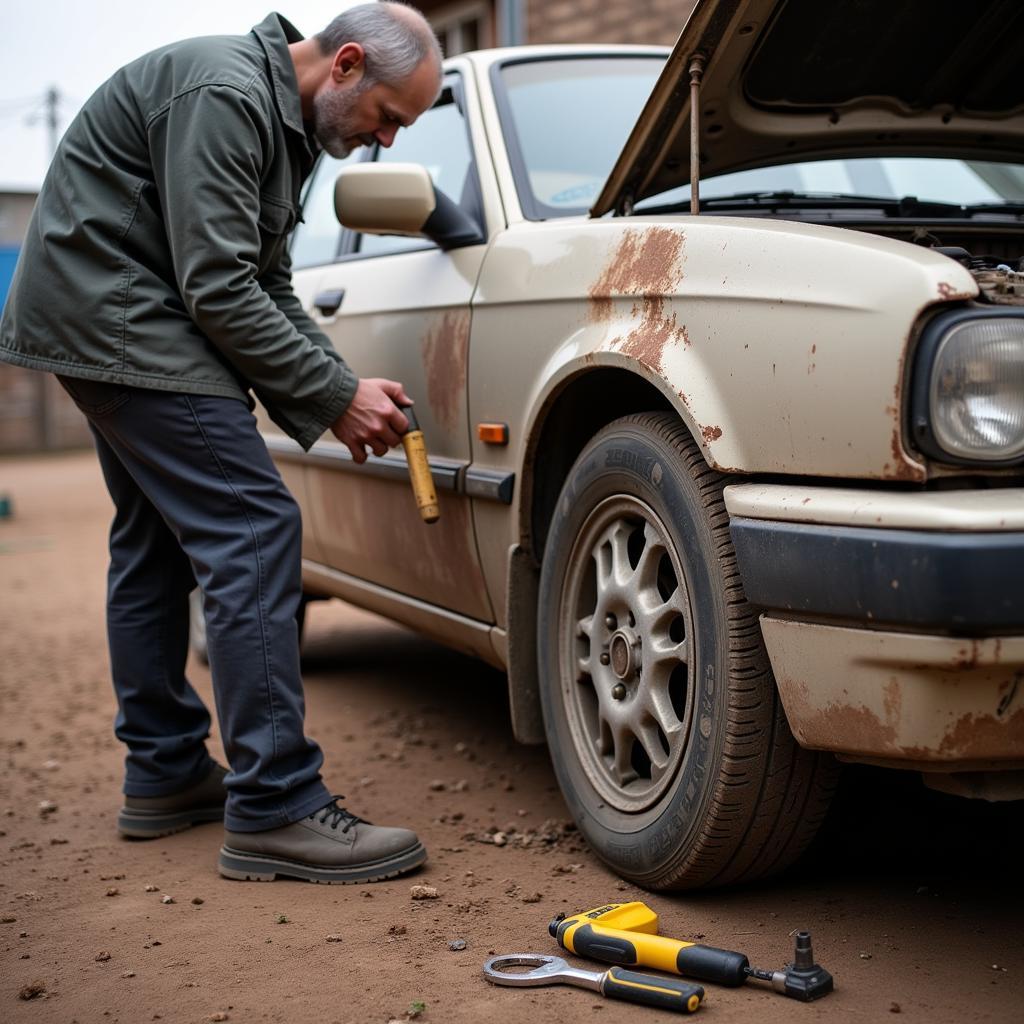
(622, 655)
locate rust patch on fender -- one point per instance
(948, 291)
(647, 265)
(445, 349)
(711, 433)
(900, 468)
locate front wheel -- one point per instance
(664, 725)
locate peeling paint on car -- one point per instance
(445, 349)
(648, 265)
(948, 292)
(900, 698)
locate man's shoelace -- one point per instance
(337, 815)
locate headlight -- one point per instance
(969, 388)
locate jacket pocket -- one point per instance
(276, 220)
(277, 216)
(95, 398)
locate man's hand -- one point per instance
(373, 418)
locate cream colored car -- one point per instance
(730, 494)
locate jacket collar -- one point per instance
(274, 34)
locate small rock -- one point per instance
(460, 787)
(151, 888)
(436, 785)
(335, 938)
(396, 929)
(366, 780)
(865, 956)
(33, 990)
(166, 899)
(535, 898)
(127, 974)
(7, 919)
(113, 891)
(25, 956)
(423, 892)
(457, 945)
(51, 765)
(198, 900)
(895, 1008)
(996, 967)
(47, 807)
(460, 748)
(281, 919)
(22, 935)
(218, 1016)
(102, 956)
(499, 839)
(58, 842)
(922, 890)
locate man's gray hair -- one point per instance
(395, 37)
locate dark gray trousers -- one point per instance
(199, 501)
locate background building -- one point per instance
(471, 24)
(35, 412)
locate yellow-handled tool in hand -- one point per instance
(419, 468)
(627, 933)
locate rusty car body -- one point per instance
(761, 503)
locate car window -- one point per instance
(565, 122)
(316, 239)
(439, 141)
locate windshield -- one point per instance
(565, 122)
(959, 182)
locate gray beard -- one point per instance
(332, 119)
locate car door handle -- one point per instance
(327, 302)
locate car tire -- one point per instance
(197, 624)
(663, 721)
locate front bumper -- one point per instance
(894, 623)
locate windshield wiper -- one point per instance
(1007, 207)
(907, 206)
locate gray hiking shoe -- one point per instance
(331, 845)
(147, 817)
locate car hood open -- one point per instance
(788, 80)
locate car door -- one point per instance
(399, 307)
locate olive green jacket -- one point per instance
(157, 253)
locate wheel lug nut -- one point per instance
(605, 659)
(618, 691)
(610, 622)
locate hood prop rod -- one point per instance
(696, 74)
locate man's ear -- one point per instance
(349, 63)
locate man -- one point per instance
(155, 282)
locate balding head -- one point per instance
(396, 39)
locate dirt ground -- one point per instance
(914, 899)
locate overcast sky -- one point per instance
(76, 45)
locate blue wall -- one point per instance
(8, 258)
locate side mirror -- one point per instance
(400, 199)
